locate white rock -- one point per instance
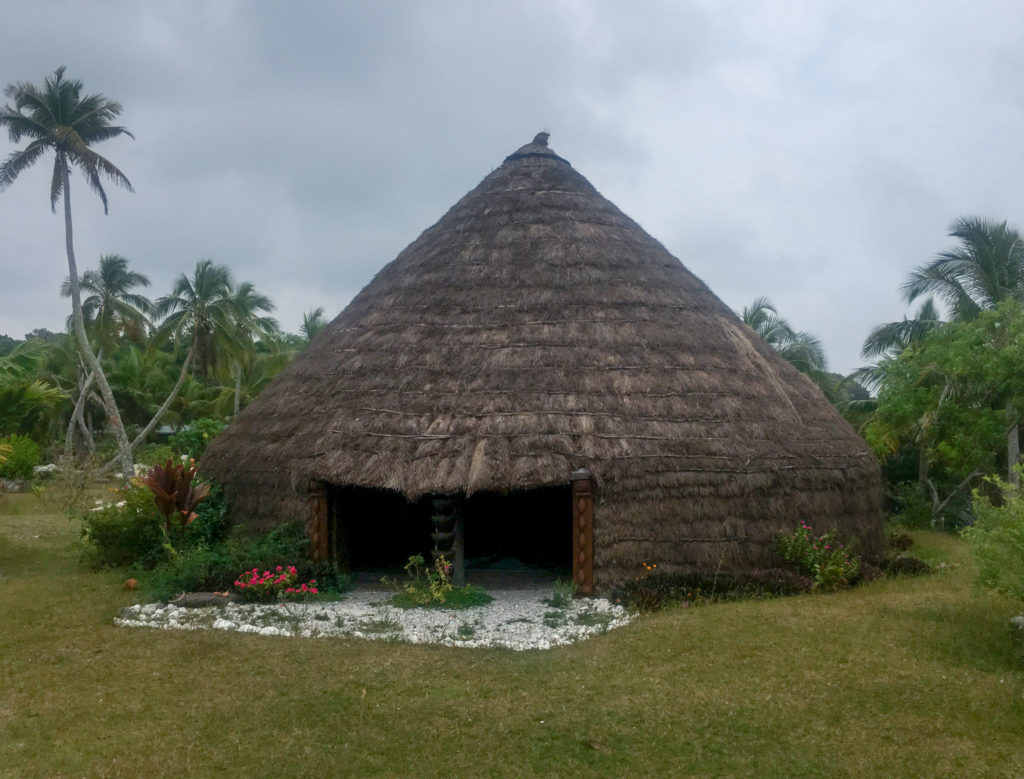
(514, 619)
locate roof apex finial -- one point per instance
(542, 138)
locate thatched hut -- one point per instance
(543, 371)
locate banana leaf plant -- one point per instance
(174, 492)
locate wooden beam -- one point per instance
(317, 522)
(583, 532)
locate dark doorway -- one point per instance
(375, 530)
(533, 527)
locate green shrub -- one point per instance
(901, 542)
(125, 530)
(198, 569)
(904, 565)
(209, 562)
(194, 440)
(431, 587)
(823, 558)
(996, 540)
(563, 595)
(284, 543)
(212, 521)
(153, 454)
(280, 583)
(120, 531)
(23, 457)
(911, 509)
(658, 588)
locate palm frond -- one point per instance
(20, 161)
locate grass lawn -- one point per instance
(906, 677)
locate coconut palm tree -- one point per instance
(312, 323)
(57, 118)
(200, 311)
(251, 325)
(891, 339)
(112, 312)
(986, 268)
(801, 349)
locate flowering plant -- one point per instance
(828, 562)
(429, 584)
(279, 584)
(431, 587)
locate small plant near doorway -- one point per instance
(563, 595)
(431, 587)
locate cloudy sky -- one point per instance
(810, 152)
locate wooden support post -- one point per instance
(583, 532)
(459, 552)
(448, 536)
(317, 522)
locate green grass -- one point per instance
(907, 677)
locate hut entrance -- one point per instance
(376, 530)
(520, 536)
(523, 536)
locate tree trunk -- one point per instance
(238, 387)
(924, 441)
(124, 449)
(77, 416)
(166, 404)
(86, 429)
(1012, 445)
(1013, 454)
(922, 471)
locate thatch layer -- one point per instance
(534, 330)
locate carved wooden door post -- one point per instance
(317, 522)
(583, 531)
(447, 535)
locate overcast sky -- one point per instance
(810, 152)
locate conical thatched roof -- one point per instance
(534, 330)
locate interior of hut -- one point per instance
(514, 538)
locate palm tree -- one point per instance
(57, 117)
(800, 349)
(312, 323)
(985, 269)
(24, 396)
(888, 341)
(112, 311)
(201, 311)
(250, 326)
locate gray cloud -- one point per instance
(810, 152)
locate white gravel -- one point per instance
(515, 619)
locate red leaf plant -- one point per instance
(174, 493)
